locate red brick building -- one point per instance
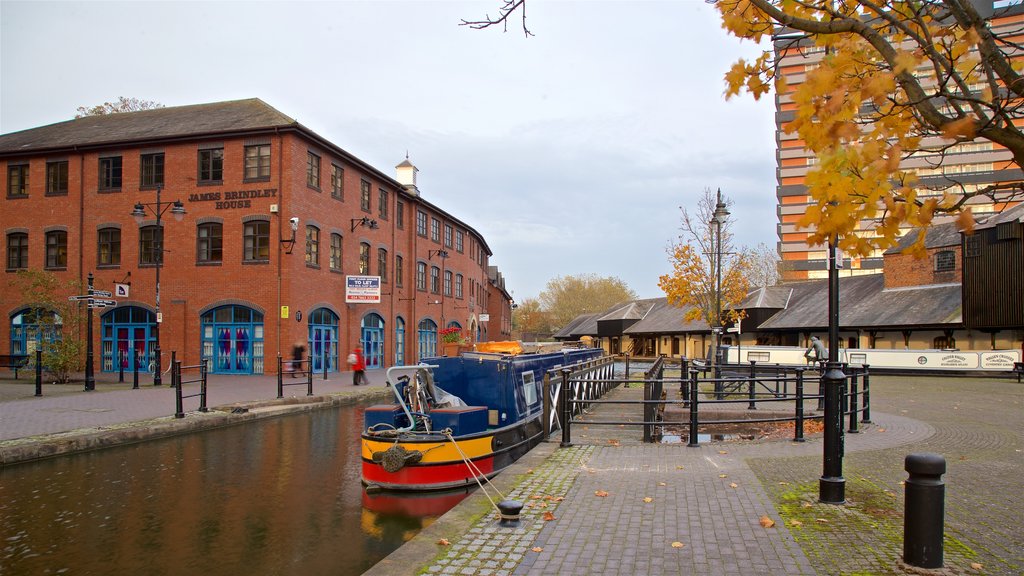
(238, 285)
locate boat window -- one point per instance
(529, 388)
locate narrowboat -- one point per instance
(458, 420)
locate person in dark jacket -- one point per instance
(296, 364)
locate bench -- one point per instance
(14, 362)
(1018, 369)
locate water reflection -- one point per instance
(281, 496)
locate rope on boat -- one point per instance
(477, 474)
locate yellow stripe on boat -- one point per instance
(434, 452)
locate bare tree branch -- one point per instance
(508, 8)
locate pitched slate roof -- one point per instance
(664, 318)
(633, 310)
(770, 297)
(864, 303)
(147, 125)
(582, 325)
(939, 236)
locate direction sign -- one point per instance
(101, 303)
(102, 293)
(80, 297)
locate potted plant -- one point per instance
(452, 340)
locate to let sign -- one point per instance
(362, 289)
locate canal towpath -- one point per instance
(618, 506)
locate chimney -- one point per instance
(406, 176)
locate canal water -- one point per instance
(271, 497)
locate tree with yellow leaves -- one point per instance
(897, 79)
(693, 282)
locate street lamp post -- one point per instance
(139, 213)
(832, 485)
(718, 220)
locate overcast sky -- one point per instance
(570, 151)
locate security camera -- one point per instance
(295, 222)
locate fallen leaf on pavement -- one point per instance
(648, 499)
(537, 549)
(783, 483)
(677, 544)
(977, 566)
(767, 522)
(662, 484)
(536, 497)
(723, 475)
(443, 542)
(600, 493)
(548, 516)
(821, 520)
(808, 505)
(722, 452)
(679, 467)
(613, 442)
(733, 485)
(795, 523)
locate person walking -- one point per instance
(296, 364)
(358, 363)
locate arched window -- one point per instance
(399, 341)
(323, 340)
(372, 338)
(426, 337)
(31, 328)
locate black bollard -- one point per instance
(39, 372)
(509, 512)
(923, 514)
(135, 371)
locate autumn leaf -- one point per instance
(677, 544)
(600, 493)
(821, 520)
(808, 505)
(537, 549)
(536, 497)
(722, 452)
(443, 542)
(977, 566)
(679, 467)
(648, 499)
(767, 522)
(796, 523)
(548, 516)
(613, 442)
(662, 484)
(783, 483)
(733, 485)
(723, 475)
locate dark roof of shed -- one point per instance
(864, 303)
(582, 325)
(1015, 214)
(157, 124)
(664, 318)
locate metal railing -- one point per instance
(752, 385)
(177, 370)
(307, 372)
(590, 379)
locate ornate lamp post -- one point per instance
(832, 485)
(139, 213)
(718, 220)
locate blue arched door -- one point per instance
(127, 336)
(372, 338)
(323, 340)
(233, 340)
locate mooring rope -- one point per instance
(476, 472)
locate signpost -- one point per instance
(94, 299)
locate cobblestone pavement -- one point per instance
(621, 507)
